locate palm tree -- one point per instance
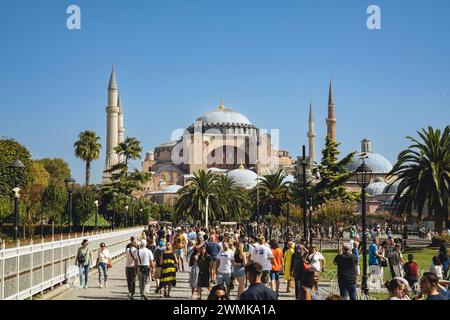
(231, 199)
(424, 173)
(130, 149)
(273, 191)
(87, 148)
(192, 200)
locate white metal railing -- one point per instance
(29, 270)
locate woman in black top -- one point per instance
(297, 266)
(203, 271)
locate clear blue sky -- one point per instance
(176, 58)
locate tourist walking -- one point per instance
(225, 260)
(346, 269)
(103, 264)
(396, 261)
(257, 290)
(310, 289)
(194, 271)
(240, 260)
(212, 249)
(144, 262)
(263, 255)
(130, 267)
(83, 261)
(375, 259)
(168, 270)
(288, 266)
(203, 271)
(315, 259)
(277, 266)
(159, 250)
(180, 244)
(298, 266)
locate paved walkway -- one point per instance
(117, 288)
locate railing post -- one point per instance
(3, 270)
(42, 265)
(17, 269)
(32, 265)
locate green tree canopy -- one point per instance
(57, 168)
(87, 148)
(424, 172)
(333, 175)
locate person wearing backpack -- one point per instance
(83, 262)
(411, 272)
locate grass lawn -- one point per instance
(101, 221)
(422, 257)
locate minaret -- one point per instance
(311, 135)
(331, 120)
(112, 126)
(121, 132)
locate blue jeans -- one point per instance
(348, 291)
(102, 266)
(223, 278)
(85, 270)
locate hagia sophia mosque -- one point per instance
(227, 137)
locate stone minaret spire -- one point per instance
(112, 126)
(121, 132)
(331, 120)
(311, 135)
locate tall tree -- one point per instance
(192, 200)
(57, 168)
(232, 201)
(87, 148)
(333, 175)
(424, 172)
(83, 205)
(130, 149)
(273, 192)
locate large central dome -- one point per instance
(224, 115)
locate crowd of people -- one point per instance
(221, 258)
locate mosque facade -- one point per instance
(226, 142)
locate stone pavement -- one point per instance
(117, 288)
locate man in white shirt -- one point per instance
(144, 262)
(262, 254)
(225, 262)
(130, 267)
(315, 259)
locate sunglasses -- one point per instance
(222, 297)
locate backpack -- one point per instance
(82, 258)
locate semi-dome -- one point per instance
(376, 188)
(375, 161)
(173, 188)
(243, 178)
(224, 115)
(289, 179)
(392, 188)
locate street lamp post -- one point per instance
(363, 176)
(207, 209)
(270, 223)
(287, 221)
(18, 167)
(114, 210)
(70, 183)
(96, 214)
(126, 216)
